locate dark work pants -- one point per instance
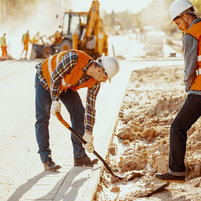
(186, 117)
(73, 104)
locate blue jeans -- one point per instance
(73, 104)
(186, 117)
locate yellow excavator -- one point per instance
(80, 30)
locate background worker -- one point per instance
(36, 39)
(182, 14)
(57, 79)
(25, 40)
(3, 46)
(57, 39)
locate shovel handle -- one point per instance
(60, 118)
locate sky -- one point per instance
(111, 5)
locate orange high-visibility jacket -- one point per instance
(196, 33)
(50, 64)
(26, 40)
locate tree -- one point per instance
(197, 6)
(122, 21)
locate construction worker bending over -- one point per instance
(182, 14)
(3, 46)
(57, 79)
(25, 40)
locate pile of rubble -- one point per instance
(141, 138)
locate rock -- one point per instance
(197, 170)
(159, 163)
(114, 180)
(126, 142)
(130, 163)
(112, 150)
(149, 134)
(121, 114)
(126, 134)
(115, 189)
(193, 171)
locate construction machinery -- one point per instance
(80, 30)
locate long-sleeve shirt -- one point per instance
(190, 59)
(65, 67)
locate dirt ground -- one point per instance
(140, 142)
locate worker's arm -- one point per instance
(190, 60)
(90, 117)
(90, 108)
(64, 67)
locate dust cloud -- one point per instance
(43, 17)
(158, 18)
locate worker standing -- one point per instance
(35, 39)
(25, 40)
(182, 14)
(57, 79)
(3, 46)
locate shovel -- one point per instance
(60, 118)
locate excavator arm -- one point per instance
(94, 27)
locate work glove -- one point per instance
(89, 145)
(56, 106)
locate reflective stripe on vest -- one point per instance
(196, 33)
(198, 71)
(199, 58)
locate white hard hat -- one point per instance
(178, 7)
(110, 65)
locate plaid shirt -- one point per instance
(65, 67)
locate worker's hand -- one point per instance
(89, 145)
(56, 106)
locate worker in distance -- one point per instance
(183, 15)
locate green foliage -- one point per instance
(119, 22)
(156, 14)
(197, 6)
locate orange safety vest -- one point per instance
(196, 33)
(50, 64)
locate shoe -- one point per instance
(169, 177)
(85, 161)
(50, 165)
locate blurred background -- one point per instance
(119, 18)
